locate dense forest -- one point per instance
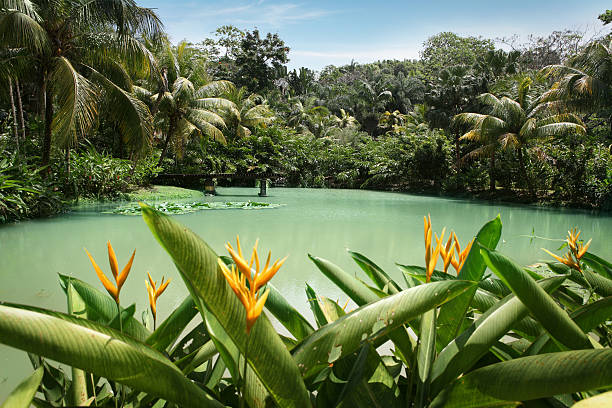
(96, 100)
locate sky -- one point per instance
(321, 33)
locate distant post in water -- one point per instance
(209, 186)
(263, 183)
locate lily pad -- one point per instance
(177, 208)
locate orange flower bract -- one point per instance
(239, 274)
(155, 292)
(120, 278)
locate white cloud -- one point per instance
(259, 12)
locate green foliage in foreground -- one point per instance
(538, 336)
(177, 208)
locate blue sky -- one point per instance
(320, 33)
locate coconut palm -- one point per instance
(585, 82)
(187, 103)
(516, 124)
(252, 111)
(83, 51)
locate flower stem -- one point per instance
(244, 374)
(119, 317)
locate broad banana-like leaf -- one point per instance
(425, 355)
(452, 314)
(99, 350)
(373, 320)
(375, 272)
(600, 265)
(540, 304)
(287, 315)
(587, 318)
(528, 378)
(464, 351)
(362, 294)
(197, 264)
(601, 285)
(599, 401)
(168, 331)
(102, 308)
(21, 397)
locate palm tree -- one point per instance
(585, 81)
(345, 120)
(83, 51)
(191, 105)
(252, 111)
(516, 124)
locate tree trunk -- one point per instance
(14, 111)
(457, 151)
(20, 111)
(524, 172)
(166, 142)
(162, 89)
(492, 173)
(46, 152)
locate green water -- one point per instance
(387, 227)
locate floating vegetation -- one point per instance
(175, 208)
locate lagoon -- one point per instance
(386, 227)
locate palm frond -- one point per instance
(19, 30)
(212, 131)
(77, 100)
(468, 118)
(219, 104)
(99, 47)
(26, 7)
(509, 141)
(197, 116)
(215, 89)
(131, 115)
(182, 90)
(557, 129)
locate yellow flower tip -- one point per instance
(112, 260)
(126, 271)
(108, 285)
(583, 249)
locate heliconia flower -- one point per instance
(566, 260)
(461, 255)
(249, 295)
(120, 278)
(575, 252)
(155, 292)
(446, 252)
(431, 255)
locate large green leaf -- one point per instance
(540, 304)
(21, 397)
(464, 351)
(169, 330)
(529, 378)
(197, 264)
(375, 272)
(287, 315)
(355, 289)
(375, 319)
(598, 264)
(587, 318)
(361, 294)
(99, 350)
(452, 314)
(600, 284)
(425, 355)
(102, 308)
